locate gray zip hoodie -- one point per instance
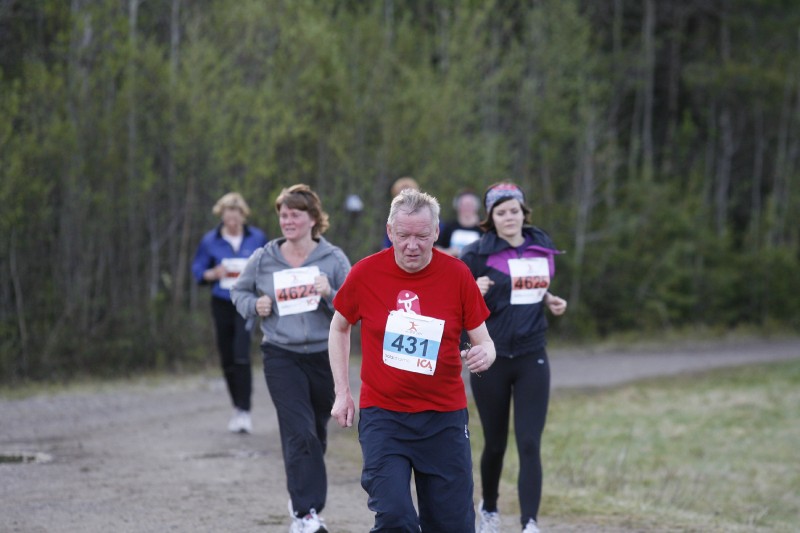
(302, 332)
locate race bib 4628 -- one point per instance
(530, 279)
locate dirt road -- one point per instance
(155, 457)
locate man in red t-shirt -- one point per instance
(413, 302)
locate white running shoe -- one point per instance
(531, 527)
(490, 522)
(245, 422)
(233, 425)
(240, 422)
(310, 523)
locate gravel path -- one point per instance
(155, 457)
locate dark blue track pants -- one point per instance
(435, 447)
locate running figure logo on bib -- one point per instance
(411, 341)
(530, 279)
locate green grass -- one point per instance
(88, 383)
(712, 452)
(671, 337)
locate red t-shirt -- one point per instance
(446, 290)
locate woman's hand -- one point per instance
(264, 306)
(213, 274)
(556, 305)
(322, 285)
(484, 283)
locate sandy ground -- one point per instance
(145, 457)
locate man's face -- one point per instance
(468, 205)
(412, 236)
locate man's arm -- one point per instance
(339, 351)
(482, 354)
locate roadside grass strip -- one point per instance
(718, 451)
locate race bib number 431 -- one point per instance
(411, 342)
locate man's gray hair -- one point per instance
(412, 201)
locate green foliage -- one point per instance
(118, 135)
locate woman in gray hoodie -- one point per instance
(290, 283)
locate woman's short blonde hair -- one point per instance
(406, 182)
(232, 200)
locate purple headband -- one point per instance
(500, 191)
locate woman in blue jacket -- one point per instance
(513, 264)
(219, 259)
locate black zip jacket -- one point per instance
(515, 329)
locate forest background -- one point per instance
(658, 143)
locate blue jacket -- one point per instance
(213, 249)
(515, 329)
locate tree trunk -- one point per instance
(648, 97)
(756, 201)
(19, 301)
(585, 198)
(131, 201)
(176, 260)
(678, 23)
(723, 175)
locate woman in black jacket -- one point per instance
(513, 264)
